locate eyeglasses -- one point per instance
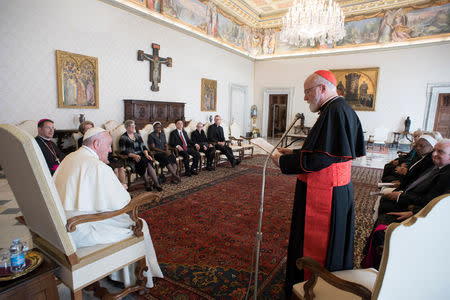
(310, 89)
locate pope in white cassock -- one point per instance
(87, 185)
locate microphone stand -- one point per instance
(261, 207)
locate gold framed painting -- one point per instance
(77, 80)
(358, 87)
(209, 95)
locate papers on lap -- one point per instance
(263, 144)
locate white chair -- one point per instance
(414, 264)
(30, 180)
(378, 137)
(111, 125)
(29, 126)
(75, 137)
(235, 135)
(144, 132)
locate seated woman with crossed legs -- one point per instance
(139, 159)
(157, 143)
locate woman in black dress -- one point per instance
(139, 159)
(158, 144)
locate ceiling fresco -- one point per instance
(252, 27)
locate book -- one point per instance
(264, 145)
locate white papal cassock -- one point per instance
(87, 185)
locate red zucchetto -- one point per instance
(327, 75)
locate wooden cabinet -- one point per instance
(144, 112)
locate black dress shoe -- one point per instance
(158, 188)
(194, 172)
(188, 174)
(208, 168)
(148, 188)
(233, 163)
(238, 161)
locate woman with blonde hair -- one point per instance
(139, 158)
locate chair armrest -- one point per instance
(239, 140)
(174, 151)
(132, 206)
(318, 270)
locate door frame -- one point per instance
(289, 91)
(433, 91)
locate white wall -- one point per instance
(31, 31)
(402, 82)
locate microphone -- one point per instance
(261, 207)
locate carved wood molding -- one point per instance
(132, 207)
(318, 270)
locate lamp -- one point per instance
(311, 21)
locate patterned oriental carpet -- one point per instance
(204, 230)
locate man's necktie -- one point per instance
(422, 178)
(184, 142)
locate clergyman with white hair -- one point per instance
(86, 185)
(322, 224)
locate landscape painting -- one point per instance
(358, 87)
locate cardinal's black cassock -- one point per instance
(322, 217)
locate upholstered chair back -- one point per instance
(167, 130)
(29, 126)
(76, 136)
(30, 180)
(419, 244)
(115, 134)
(205, 127)
(144, 132)
(111, 125)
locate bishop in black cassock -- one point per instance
(322, 217)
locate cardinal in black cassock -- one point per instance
(322, 218)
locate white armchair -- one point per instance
(414, 264)
(38, 200)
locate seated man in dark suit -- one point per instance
(432, 183)
(53, 156)
(400, 205)
(199, 137)
(424, 147)
(180, 140)
(217, 138)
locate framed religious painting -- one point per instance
(209, 95)
(358, 87)
(77, 80)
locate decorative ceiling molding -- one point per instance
(268, 13)
(236, 27)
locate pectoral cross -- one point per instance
(155, 65)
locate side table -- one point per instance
(38, 284)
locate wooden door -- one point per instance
(277, 115)
(442, 119)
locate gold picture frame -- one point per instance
(77, 80)
(209, 95)
(358, 87)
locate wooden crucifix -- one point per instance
(155, 65)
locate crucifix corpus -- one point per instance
(155, 65)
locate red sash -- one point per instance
(319, 194)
